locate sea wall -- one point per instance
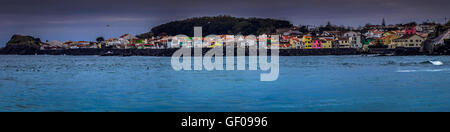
(170, 52)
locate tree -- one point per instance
(383, 23)
(411, 24)
(146, 35)
(100, 39)
(220, 25)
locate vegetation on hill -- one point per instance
(219, 25)
(22, 45)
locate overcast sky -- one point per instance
(87, 19)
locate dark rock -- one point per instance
(22, 45)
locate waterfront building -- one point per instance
(117, 43)
(408, 41)
(344, 42)
(354, 39)
(316, 44)
(176, 42)
(367, 42)
(327, 43)
(410, 29)
(387, 40)
(307, 41)
(295, 42)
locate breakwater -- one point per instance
(171, 51)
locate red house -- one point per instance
(410, 29)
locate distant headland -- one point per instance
(400, 39)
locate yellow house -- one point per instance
(327, 43)
(408, 41)
(387, 40)
(307, 41)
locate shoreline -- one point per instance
(171, 51)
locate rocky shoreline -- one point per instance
(171, 51)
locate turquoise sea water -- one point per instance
(312, 83)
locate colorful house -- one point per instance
(294, 42)
(316, 44)
(130, 46)
(344, 42)
(410, 30)
(307, 41)
(387, 40)
(367, 42)
(408, 41)
(327, 43)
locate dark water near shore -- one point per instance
(311, 83)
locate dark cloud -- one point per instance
(87, 19)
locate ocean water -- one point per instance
(307, 83)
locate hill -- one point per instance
(22, 45)
(219, 25)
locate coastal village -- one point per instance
(412, 36)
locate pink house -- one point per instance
(410, 30)
(316, 44)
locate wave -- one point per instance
(424, 70)
(436, 63)
(406, 70)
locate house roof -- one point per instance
(409, 36)
(343, 38)
(327, 39)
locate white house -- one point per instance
(354, 39)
